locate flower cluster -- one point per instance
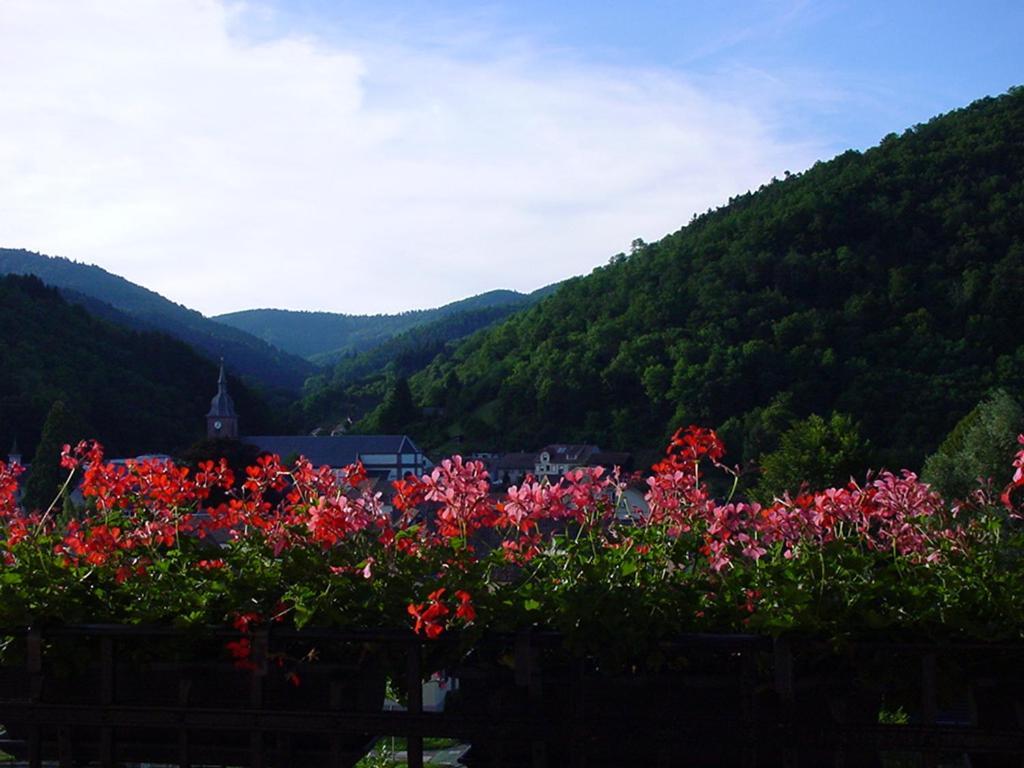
(1017, 482)
(9, 489)
(155, 541)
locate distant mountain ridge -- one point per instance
(325, 337)
(143, 309)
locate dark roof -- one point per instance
(517, 461)
(334, 450)
(611, 459)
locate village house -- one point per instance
(512, 468)
(558, 458)
(385, 457)
(551, 462)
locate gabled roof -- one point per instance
(334, 450)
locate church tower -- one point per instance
(222, 421)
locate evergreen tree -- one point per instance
(981, 446)
(398, 410)
(62, 427)
(819, 452)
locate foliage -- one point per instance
(814, 451)
(885, 284)
(62, 426)
(303, 546)
(138, 392)
(358, 381)
(121, 302)
(397, 409)
(237, 454)
(978, 448)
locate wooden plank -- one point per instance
(783, 666)
(34, 660)
(260, 649)
(929, 705)
(527, 674)
(184, 740)
(35, 747)
(414, 678)
(335, 702)
(64, 751)
(257, 752)
(107, 692)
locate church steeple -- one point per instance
(14, 455)
(222, 421)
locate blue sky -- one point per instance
(380, 156)
(878, 66)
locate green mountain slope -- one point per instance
(326, 337)
(360, 381)
(886, 284)
(134, 391)
(243, 354)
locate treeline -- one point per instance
(120, 301)
(361, 381)
(135, 392)
(885, 285)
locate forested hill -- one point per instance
(327, 337)
(887, 284)
(136, 392)
(360, 381)
(143, 309)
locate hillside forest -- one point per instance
(137, 392)
(883, 285)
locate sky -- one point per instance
(380, 156)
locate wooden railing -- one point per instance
(727, 699)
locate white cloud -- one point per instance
(153, 138)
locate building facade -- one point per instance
(385, 457)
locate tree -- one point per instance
(398, 409)
(62, 427)
(819, 452)
(981, 446)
